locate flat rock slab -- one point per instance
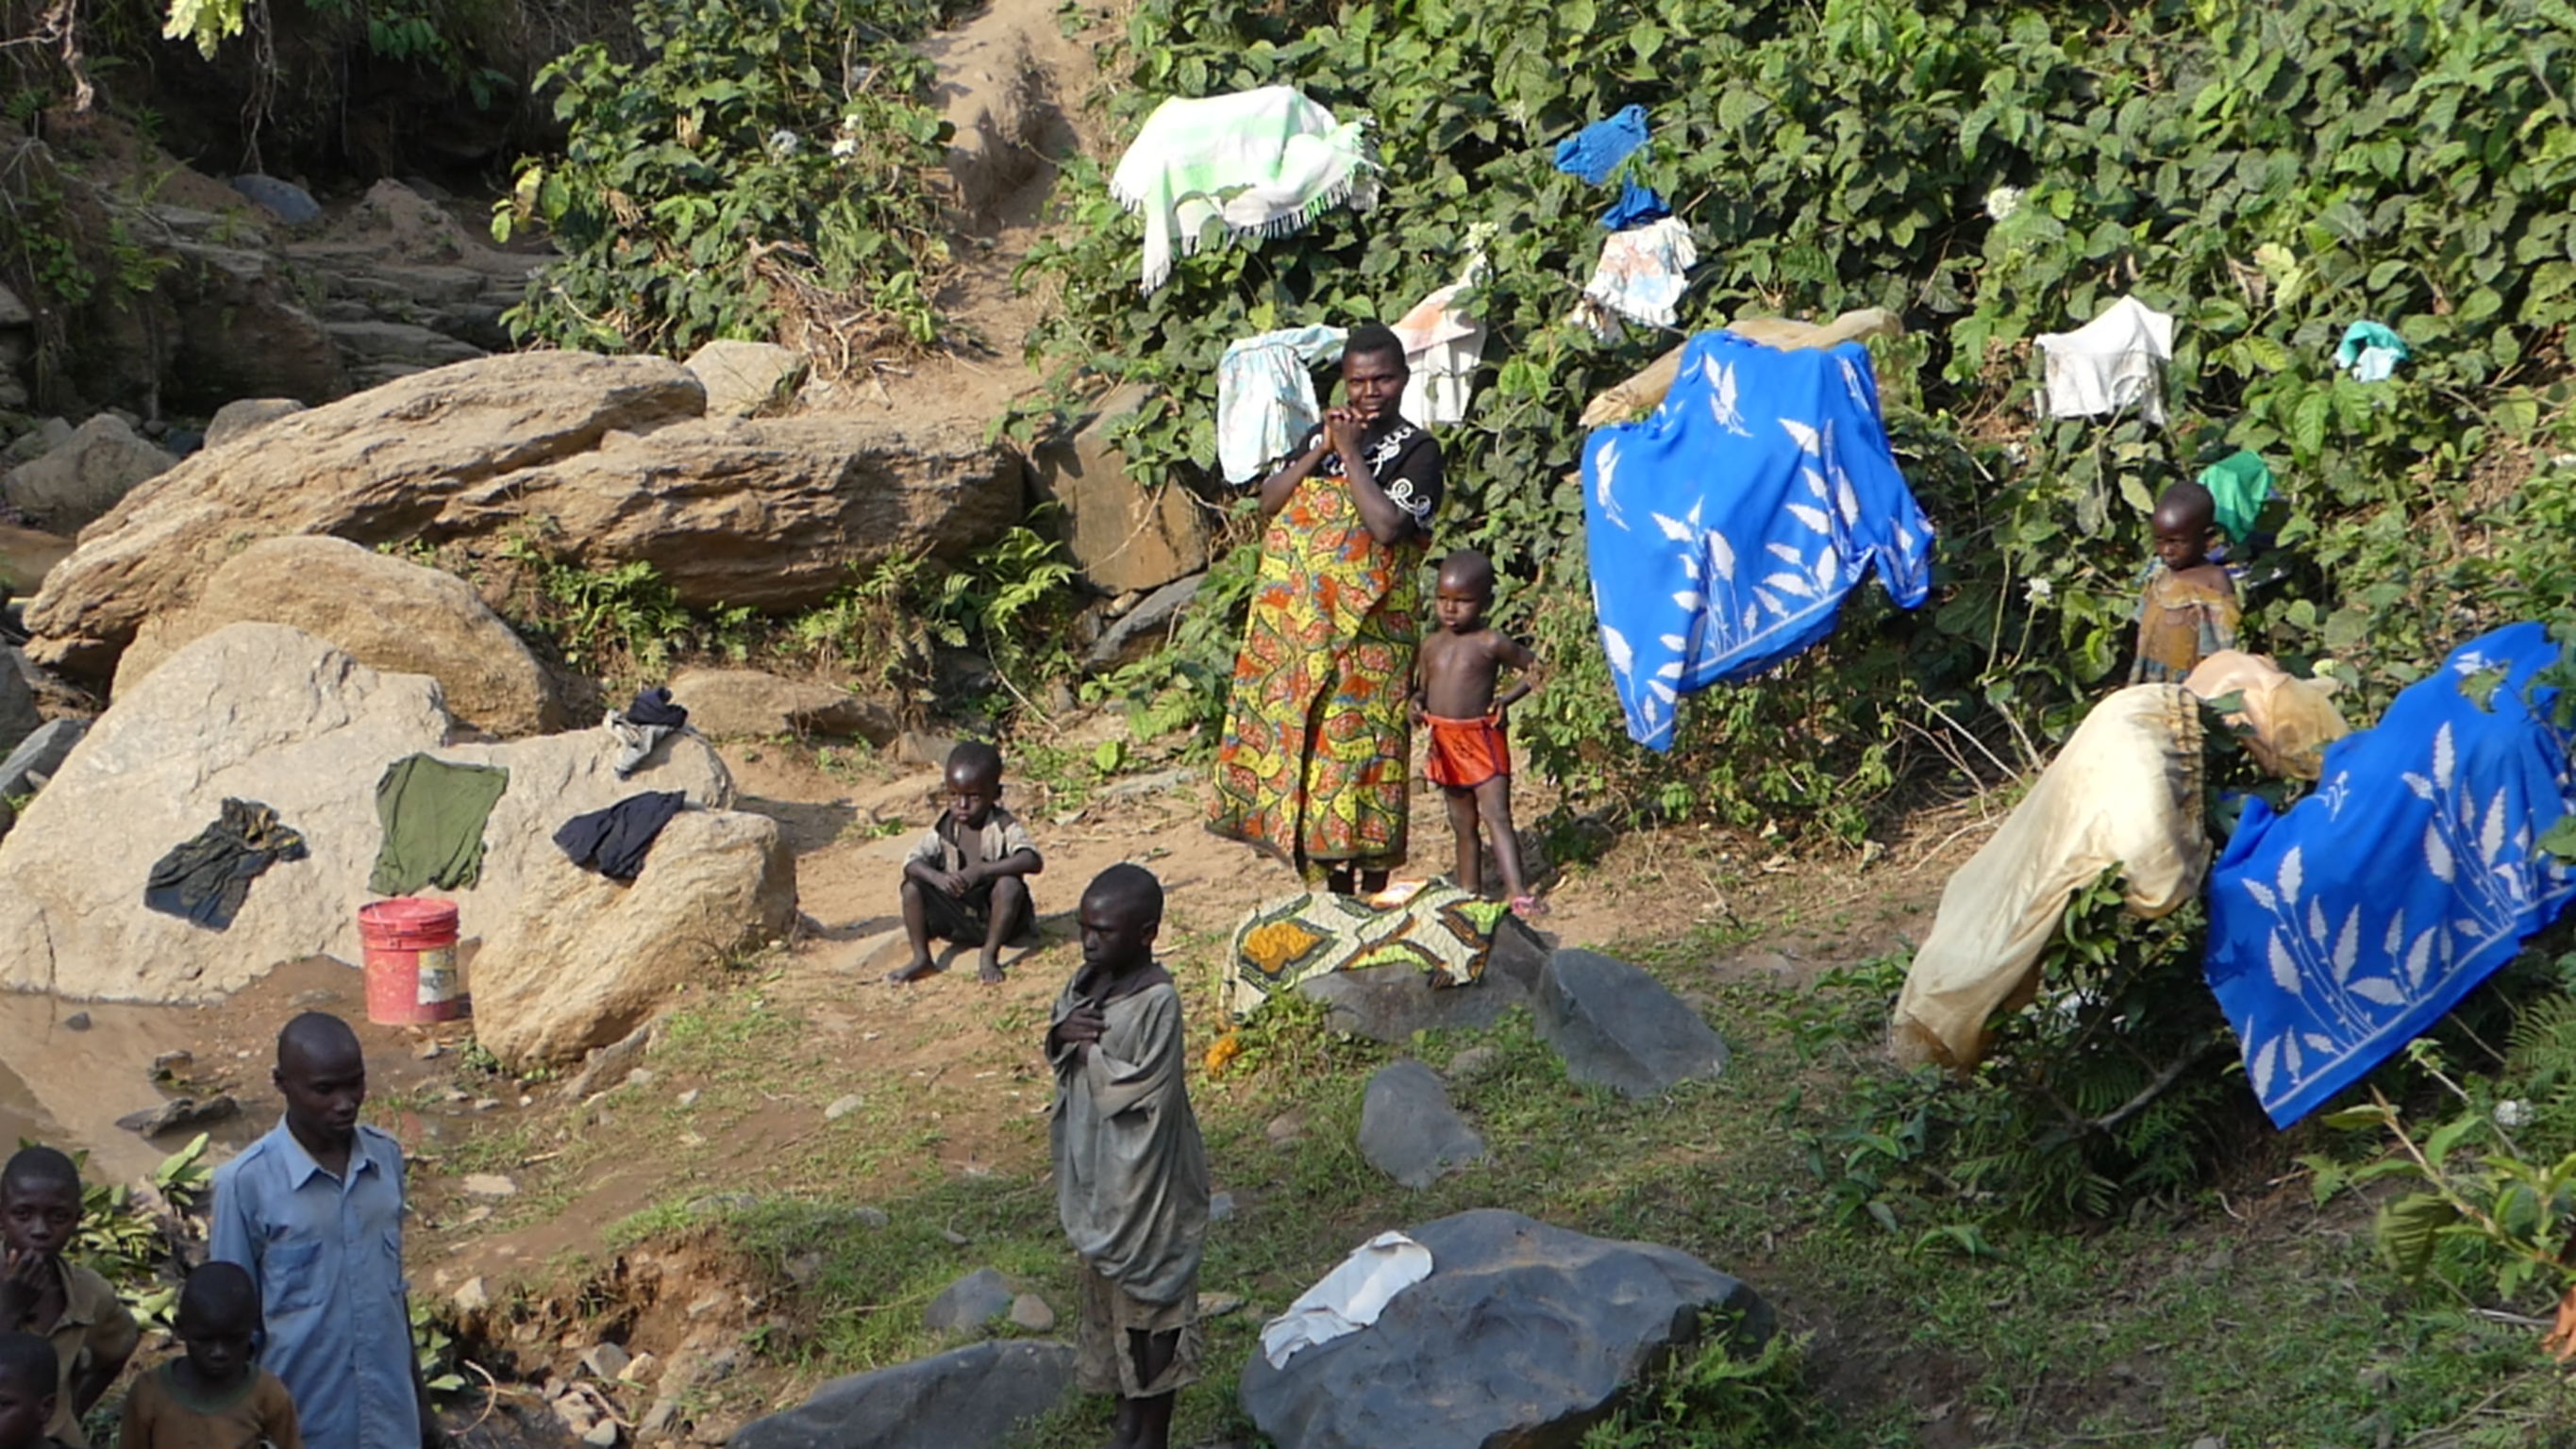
(965, 1306)
(969, 1398)
(1391, 1003)
(1618, 1027)
(1523, 1336)
(1409, 1131)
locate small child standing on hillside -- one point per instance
(1471, 752)
(213, 1396)
(1131, 1176)
(964, 880)
(2187, 608)
(41, 1292)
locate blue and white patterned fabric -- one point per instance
(1726, 527)
(2343, 929)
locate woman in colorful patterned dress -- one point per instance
(1316, 762)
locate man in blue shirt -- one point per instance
(314, 1210)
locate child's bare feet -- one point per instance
(919, 967)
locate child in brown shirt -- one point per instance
(47, 1294)
(213, 1396)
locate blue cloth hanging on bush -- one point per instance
(1727, 526)
(2343, 929)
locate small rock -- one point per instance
(1136, 786)
(875, 1217)
(245, 415)
(284, 200)
(489, 1184)
(1029, 1311)
(1218, 1305)
(171, 1066)
(705, 1303)
(471, 1296)
(77, 1021)
(1287, 1127)
(1474, 1064)
(640, 1077)
(317, 997)
(429, 1051)
(954, 1238)
(602, 1435)
(659, 1418)
(844, 1107)
(689, 1098)
(179, 1113)
(1220, 1207)
(804, 1268)
(606, 1361)
(1409, 1131)
(965, 1306)
(743, 378)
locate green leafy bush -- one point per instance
(760, 171)
(2267, 172)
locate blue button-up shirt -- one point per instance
(327, 1254)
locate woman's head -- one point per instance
(1373, 370)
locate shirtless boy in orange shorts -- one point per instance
(1453, 693)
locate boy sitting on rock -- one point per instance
(964, 880)
(1131, 1177)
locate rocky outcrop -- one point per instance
(80, 478)
(753, 704)
(558, 960)
(1523, 1336)
(970, 1398)
(392, 615)
(773, 514)
(1127, 530)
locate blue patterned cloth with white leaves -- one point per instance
(1726, 527)
(2341, 930)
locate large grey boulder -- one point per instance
(392, 614)
(1409, 1131)
(1391, 1003)
(78, 480)
(559, 960)
(769, 513)
(1618, 1027)
(1523, 1337)
(964, 1307)
(754, 704)
(969, 1398)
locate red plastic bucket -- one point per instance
(411, 961)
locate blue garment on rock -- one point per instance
(1636, 206)
(2343, 929)
(1595, 151)
(326, 1253)
(1726, 527)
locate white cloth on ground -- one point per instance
(634, 741)
(1261, 162)
(1265, 397)
(2112, 363)
(1442, 347)
(2124, 791)
(1640, 277)
(1349, 1298)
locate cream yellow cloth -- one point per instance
(2125, 791)
(2287, 721)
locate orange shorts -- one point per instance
(1466, 753)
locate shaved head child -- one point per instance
(29, 1387)
(71, 1308)
(964, 881)
(1131, 1175)
(313, 1212)
(1471, 754)
(212, 1396)
(2187, 608)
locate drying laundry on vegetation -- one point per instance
(1596, 152)
(1439, 930)
(2126, 792)
(615, 841)
(1640, 392)
(2112, 364)
(2345, 927)
(1347, 1299)
(2370, 351)
(1258, 163)
(433, 813)
(2239, 485)
(1640, 278)
(1443, 344)
(206, 878)
(641, 725)
(1725, 530)
(2283, 721)
(1265, 397)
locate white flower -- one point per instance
(2510, 1114)
(783, 143)
(2038, 591)
(845, 147)
(2003, 201)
